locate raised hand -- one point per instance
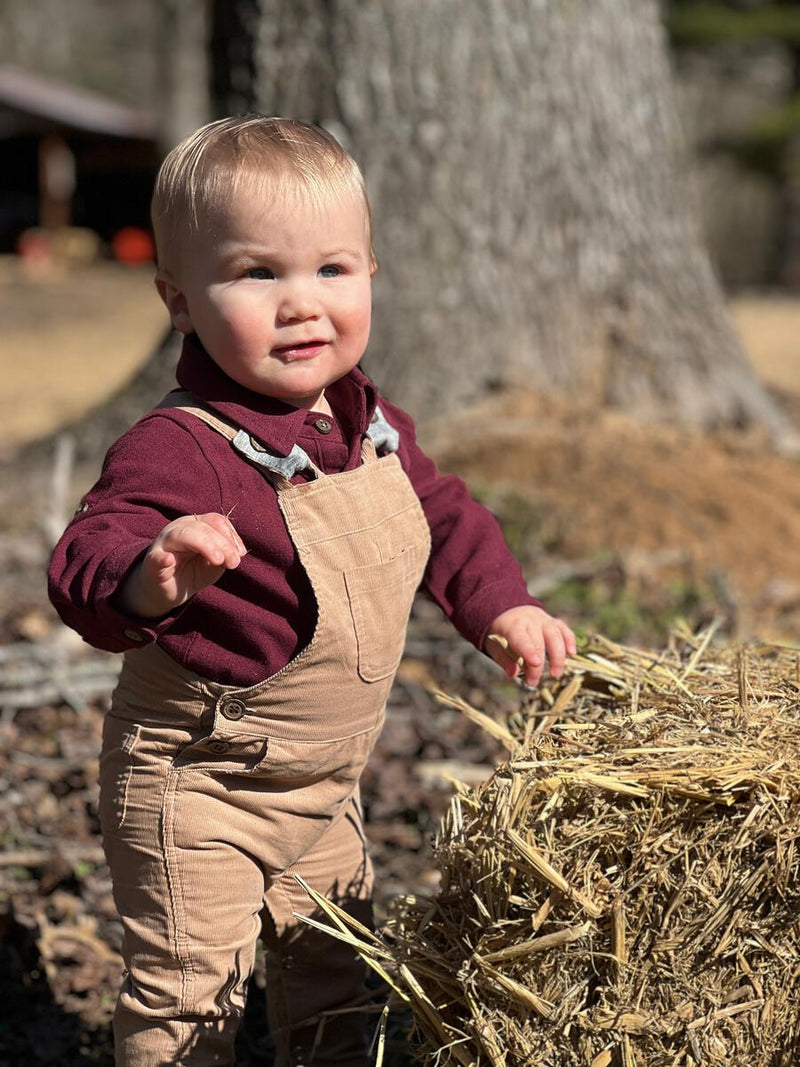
(189, 554)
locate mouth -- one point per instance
(299, 350)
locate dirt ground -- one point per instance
(673, 509)
(620, 526)
(70, 337)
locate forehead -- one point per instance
(256, 206)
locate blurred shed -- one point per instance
(70, 157)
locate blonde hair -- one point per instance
(287, 156)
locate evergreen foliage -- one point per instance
(696, 23)
(765, 146)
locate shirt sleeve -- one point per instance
(152, 475)
(471, 573)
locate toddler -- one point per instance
(252, 547)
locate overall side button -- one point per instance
(233, 708)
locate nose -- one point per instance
(297, 302)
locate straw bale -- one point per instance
(625, 888)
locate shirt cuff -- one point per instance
(473, 619)
(123, 630)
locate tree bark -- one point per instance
(789, 239)
(532, 221)
(233, 74)
(183, 66)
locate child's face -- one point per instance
(280, 296)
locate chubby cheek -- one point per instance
(360, 329)
(354, 320)
(237, 330)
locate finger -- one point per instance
(223, 525)
(498, 648)
(534, 665)
(525, 649)
(555, 646)
(201, 539)
(160, 560)
(570, 641)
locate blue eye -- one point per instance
(260, 274)
(330, 271)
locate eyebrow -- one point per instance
(249, 254)
(332, 253)
(254, 251)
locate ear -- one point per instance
(176, 303)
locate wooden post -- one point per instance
(56, 182)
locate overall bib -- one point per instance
(212, 797)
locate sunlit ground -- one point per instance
(70, 337)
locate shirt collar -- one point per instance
(275, 424)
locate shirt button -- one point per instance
(233, 709)
(323, 425)
(134, 635)
(219, 747)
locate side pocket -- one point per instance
(116, 764)
(380, 597)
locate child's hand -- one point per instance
(530, 634)
(189, 554)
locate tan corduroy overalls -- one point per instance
(213, 797)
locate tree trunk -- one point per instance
(790, 230)
(532, 223)
(531, 218)
(183, 69)
(233, 74)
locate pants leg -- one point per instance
(312, 978)
(189, 899)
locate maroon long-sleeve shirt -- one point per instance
(256, 618)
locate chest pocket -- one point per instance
(380, 597)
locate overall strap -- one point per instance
(284, 467)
